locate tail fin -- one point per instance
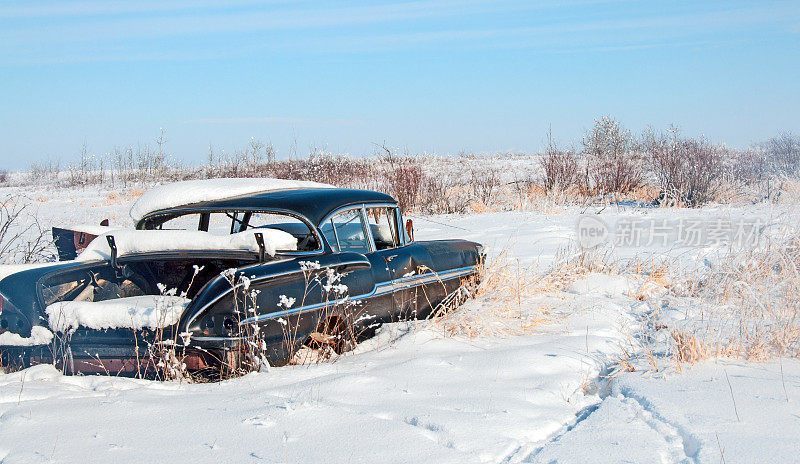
(70, 243)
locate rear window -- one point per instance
(230, 222)
(306, 238)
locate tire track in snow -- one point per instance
(690, 443)
(623, 425)
(580, 416)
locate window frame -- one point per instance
(403, 240)
(400, 242)
(364, 228)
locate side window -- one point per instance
(306, 239)
(383, 225)
(220, 223)
(95, 284)
(327, 231)
(404, 227)
(347, 230)
(183, 222)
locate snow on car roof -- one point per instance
(130, 242)
(195, 191)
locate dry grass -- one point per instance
(512, 299)
(747, 306)
(752, 305)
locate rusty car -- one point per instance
(224, 274)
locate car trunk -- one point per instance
(72, 301)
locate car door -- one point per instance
(395, 257)
(370, 289)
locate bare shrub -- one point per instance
(22, 239)
(338, 170)
(255, 160)
(44, 171)
(613, 163)
(749, 175)
(783, 154)
(687, 170)
(403, 178)
(485, 182)
(559, 167)
(404, 183)
(84, 171)
(441, 194)
(762, 171)
(748, 165)
(153, 162)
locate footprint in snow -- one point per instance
(262, 422)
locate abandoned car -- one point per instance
(226, 272)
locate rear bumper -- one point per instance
(98, 359)
(127, 360)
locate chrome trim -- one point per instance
(379, 289)
(217, 339)
(257, 279)
(367, 229)
(355, 205)
(336, 236)
(352, 206)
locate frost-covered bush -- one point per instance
(339, 170)
(688, 171)
(783, 154)
(613, 162)
(485, 183)
(560, 169)
(404, 182)
(443, 194)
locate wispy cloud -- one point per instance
(101, 8)
(262, 17)
(200, 18)
(200, 30)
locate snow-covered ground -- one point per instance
(553, 391)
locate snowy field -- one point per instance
(577, 372)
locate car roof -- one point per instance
(188, 192)
(315, 204)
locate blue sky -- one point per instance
(436, 76)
